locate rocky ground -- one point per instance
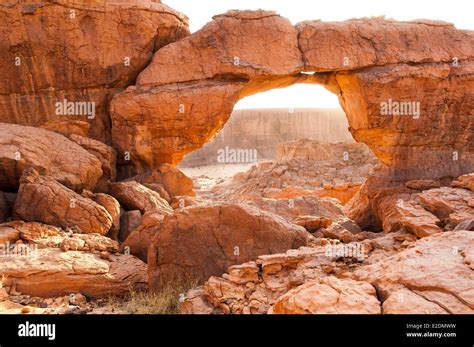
(95, 217)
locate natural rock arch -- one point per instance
(188, 91)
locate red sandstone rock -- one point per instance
(52, 272)
(134, 196)
(270, 47)
(438, 269)
(312, 223)
(203, 241)
(67, 127)
(397, 213)
(465, 181)
(101, 37)
(172, 179)
(378, 41)
(45, 236)
(49, 153)
(402, 143)
(42, 199)
(329, 295)
(451, 205)
(113, 208)
(106, 155)
(169, 109)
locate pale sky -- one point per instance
(458, 12)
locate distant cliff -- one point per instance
(263, 129)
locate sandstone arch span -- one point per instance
(188, 91)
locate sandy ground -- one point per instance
(208, 176)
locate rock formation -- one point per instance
(302, 168)
(49, 153)
(106, 97)
(365, 73)
(77, 51)
(199, 242)
(42, 199)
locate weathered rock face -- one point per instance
(438, 269)
(219, 50)
(415, 207)
(52, 272)
(43, 199)
(173, 181)
(108, 44)
(134, 196)
(329, 295)
(203, 241)
(170, 109)
(113, 208)
(106, 155)
(451, 205)
(49, 153)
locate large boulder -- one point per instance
(199, 242)
(50, 153)
(113, 208)
(173, 180)
(134, 196)
(43, 199)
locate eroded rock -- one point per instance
(199, 242)
(49, 153)
(43, 199)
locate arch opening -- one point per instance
(282, 143)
